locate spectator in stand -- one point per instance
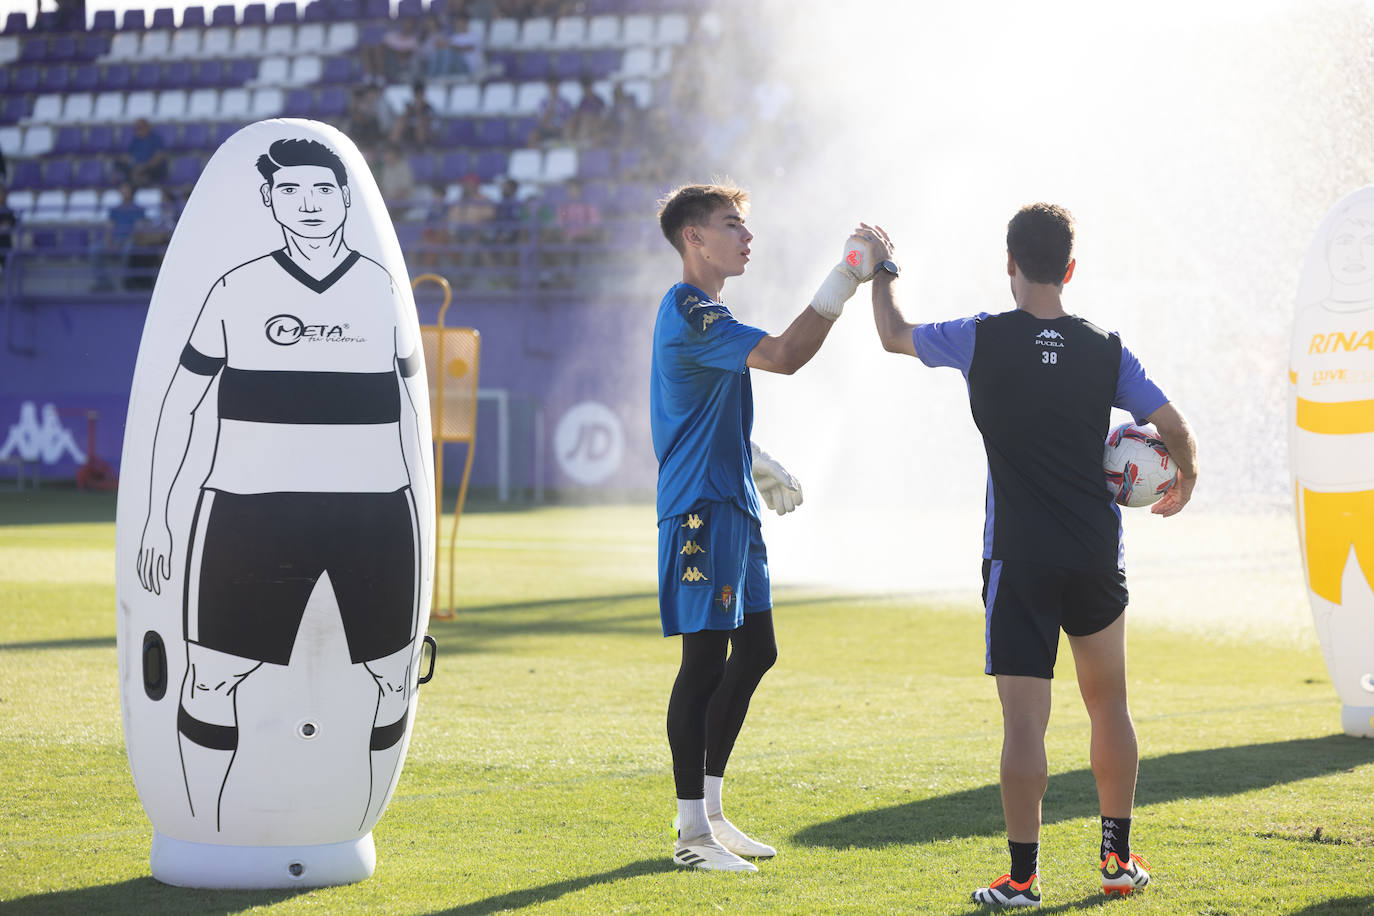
(579, 220)
(555, 114)
(366, 116)
(626, 118)
(588, 125)
(4, 169)
(468, 227)
(453, 50)
(144, 162)
(149, 242)
(398, 46)
(415, 126)
(9, 221)
(396, 180)
(510, 230)
(113, 245)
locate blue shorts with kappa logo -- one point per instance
(712, 569)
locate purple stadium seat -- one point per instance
(521, 129)
(133, 21)
(371, 34)
(121, 136)
(104, 21)
(24, 173)
(532, 65)
(57, 78)
(597, 192)
(340, 70)
(601, 64)
(600, 7)
(184, 170)
(224, 15)
(63, 47)
(48, 22)
(16, 24)
(4, 78)
(224, 130)
(34, 49)
(193, 17)
(332, 102)
(372, 9)
(492, 132)
(454, 164)
(594, 163)
(409, 234)
(117, 76)
(409, 9)
(349, 10)
(93, 46)
(57, 172)
(89, 172)
(164, 19)
(241, 71)
(177, 75)
(285, 13)
(67, 141)
(255, 14)
(85, 78)
(300, 103)
(460, 132)
(210, 73)
(100, 139)
(425, 166)
(438, 7)
(490, 163)
(567, 65)
(147, 75)
(315, 11)
(196, 136)
(25, 79)
(73, 241)
(16, 108)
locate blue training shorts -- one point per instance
(712, 569)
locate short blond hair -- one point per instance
(693, 204)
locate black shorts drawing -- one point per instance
(1026, 604)
(255, 558)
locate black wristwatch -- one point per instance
(889, 266)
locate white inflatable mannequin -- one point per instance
(274, 529)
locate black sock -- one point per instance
(1116, 837)
(1024, 860)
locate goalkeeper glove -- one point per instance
(780, 491)
(854, 268)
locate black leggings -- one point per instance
(711, 697)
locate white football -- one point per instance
(1138, 467)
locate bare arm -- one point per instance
(893, 329)
(794, 347)
(1178, 439)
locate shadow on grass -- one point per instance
(60, 506)
(1339, 905)
(91, 642)
(1208, 773)
(141, 896)
(547, 893)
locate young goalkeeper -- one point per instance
(713, 569)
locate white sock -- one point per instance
(691, 819)
(713, 805)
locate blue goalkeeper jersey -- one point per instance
(701, 404)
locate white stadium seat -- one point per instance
(150, 199)
(465, 99)
(642, 90)
(203, 105)
(21, 202)
(603, 32)
(560, 164)
(171, 105)
(498, 99)
(109, 198)
(83, 206)
(234, 104)
(156, 45)
(273, 71)
(504, 33)
(673, 29)
(140, 105)
(11, 138)
(525, 165)
(663, 60)
(78, 108)
(529, 97)
(37, 141)
(310, 38)
(305, 70)
(219, 42)
(279, 39)
(49, 206)
(569, 32)
(9, 49)
(342, 36)
(47, 109)
(397, 97)
(605, 89)
(437, 97)
(185, 44)
(247, 41)
(477, 28)
(536, 32)
(571, 90)
(637, 30)
(637, 63)
(124, 46)
(109, 106)
(267, 103)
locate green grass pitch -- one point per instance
(538, 776)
